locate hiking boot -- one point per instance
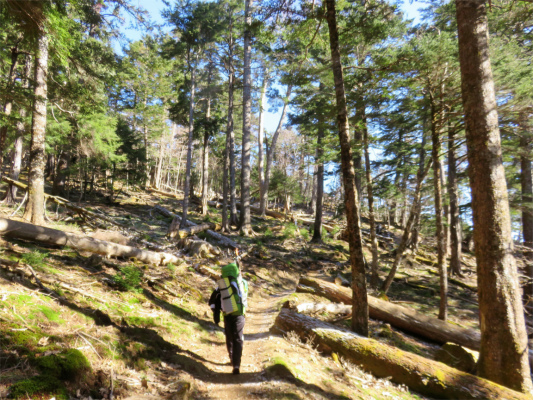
(236, 371)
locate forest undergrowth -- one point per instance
(110, 328)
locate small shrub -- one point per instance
(290, 231)
(35, 258)
(305, 234)
(171, 267)
(268, 234)
(129, 279)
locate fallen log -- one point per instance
(221, 239)
(22, 230)
(83, 211)
(193, 230)
(400, 317)
(152, 190)
(204, 270)
(331, 308)
(403, 318)
(422, 375)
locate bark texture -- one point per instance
(263, 196)
(504, 348)
(319, 200)
(8, 105)
(420, 374)
(34, 211)
(20, 131)
(455, 221)
(351, 201)
(188, 167)
(526, 183)
(437, 187)
(246, 218)
(374, 278)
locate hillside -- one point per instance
(97, 329)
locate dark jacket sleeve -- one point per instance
(216, 305)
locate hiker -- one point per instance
(230, 296)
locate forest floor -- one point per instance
(157, 339)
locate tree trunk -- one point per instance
(205, 159)
(374, 278)
(415, 208)
(273, 143)
(441, 252)
(34, 211)
(189, 147)
(21, 230)
(8, 105)
(58, 188)
(159, 166)
(420, 374)
(503, 354)
(527, 202)
(357, 260)
(357, 148)
(260, 148)
(319, 203)
(20, 128)
(225, 186)
(314, 189)
(455, 221)
(245, 217)
(233, 220)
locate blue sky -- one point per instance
(154, 7)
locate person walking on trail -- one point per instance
(230, 296)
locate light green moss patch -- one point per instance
(70, 365)
(39, 386)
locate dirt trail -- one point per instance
(262, 311)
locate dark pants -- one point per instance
(234, 330)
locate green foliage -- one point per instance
(35, 258)
(129, 279)
(289, 231)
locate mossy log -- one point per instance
(22, 230)
(400, 317)
(403, 318)
(422, 375)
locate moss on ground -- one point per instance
(39, 386)
(70, 365)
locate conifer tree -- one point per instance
(503, 353)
